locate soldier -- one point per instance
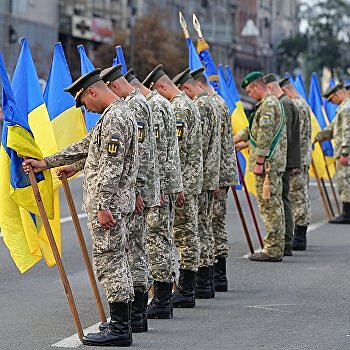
(147, 190)
(268, 145)
(228, 177)
(185, 224)
(160, 244)
(299, 182)
(339, 131)
(110, 171)
(293, 155)
(210, 122)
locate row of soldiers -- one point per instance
(158, 166)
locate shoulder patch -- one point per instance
(112, 145)
(141, 131)
(180, 129)
(157, 132)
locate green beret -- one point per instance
(332, 90)
(154, 76)
(111, 73)
(182, 77)
(284, 81)
(130, 75)
(82, 83)
(269, 78)
(249, 78)
(197, 73)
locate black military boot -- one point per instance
(344, 217)
(118, 332)
(220, 279)
(203, 290)
(299, 238)
(161, 304)
(136, 312)
(144, 312)
(184, 293)
(212, 284)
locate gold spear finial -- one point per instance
(183, 25)
(197, 25)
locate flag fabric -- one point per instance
(86, 67)
(120, 59)
(300, 87)
(194, 61)
(67, 121)
(330, 107)
(225, 90)
(21, 228)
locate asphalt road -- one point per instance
(300, 303)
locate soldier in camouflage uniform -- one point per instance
(160, 244)
(268, 145)
(185, 224)
(111, 154)
(228, 177)
(339, 131)
(210, 122)
(147, 190)
(299, 182)
(293, 155)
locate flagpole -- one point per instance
(327, 196)
(55, 252)
(183, 25)
(240, 212)
(83, 247)
(320, 189)
(250, 204)
(331, 182)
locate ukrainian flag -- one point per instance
(300, 87)
(330, 107)
(86, 67)
(67, 121)
(120, 59)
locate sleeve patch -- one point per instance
(112, 146)
(157, 132)
(180, 129)
(141, 131)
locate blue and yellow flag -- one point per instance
(194, 62)
(86, 67)
(120, 59)
(67, 121)
(299, 86)
(330, 107)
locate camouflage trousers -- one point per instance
(137, 252)
(109, 257)
(288, 213)
(206, 238)
(186, 237)
(300, 197)
(342, 176)
(160, 246)
(221, 245)
(272, 214)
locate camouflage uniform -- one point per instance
(147, 184)
(189, 136)
(339, 130)
(228, 177)
(110, 171)
(160, 244)
(211, 122)
(264, 126)
(299, 183)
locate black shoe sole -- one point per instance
(115, 343)
(297, 249)
(160, 316)
(184, 305)
(203, 296)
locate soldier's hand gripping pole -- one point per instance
(240, 212)
(82, 245)
(56, 254)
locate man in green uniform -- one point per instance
(299, 182)
(186, 218)
(339, 131)
(268, 153)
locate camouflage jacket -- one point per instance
(189, 135)
(264, 127)
(148, 176)
(167, 145)
(339, 130)
(305, 131)
(293, 132)
(228, 160)
(211, 146)
(111, 152)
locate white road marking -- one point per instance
(268, 307)
(69, 218)
(327, 184)
(318, 268)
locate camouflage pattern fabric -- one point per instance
(342, 177)
(186, 237)
(288, 213)
(160, 246)
(221, 245)
(148, 176)
(300, 197)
